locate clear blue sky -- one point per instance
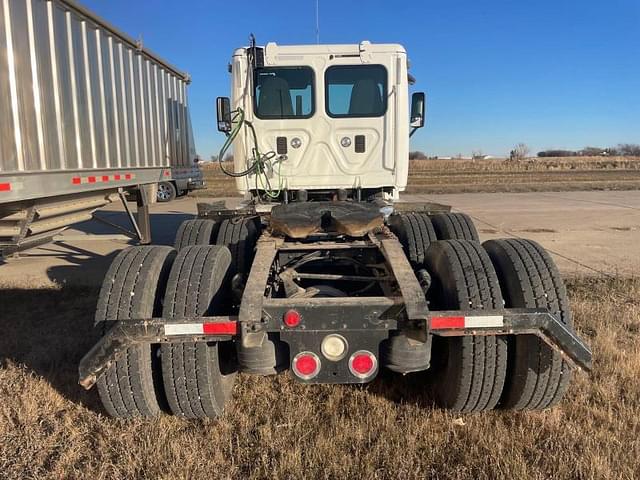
(550, 73)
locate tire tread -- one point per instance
(538, 376)
(130, 386)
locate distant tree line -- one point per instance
(622, 150)
(417, 155)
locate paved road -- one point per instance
(588, 232)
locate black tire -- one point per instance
(239, 235)
(454, 226)
(195, 232)
(166, 192)
(133, 288)
(198, 377)
(469, 371)
(537, 376)
(415, 232)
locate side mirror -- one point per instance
(417, 110)
(223, 110)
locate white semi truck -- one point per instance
(320, 271)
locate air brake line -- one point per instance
(261, 162)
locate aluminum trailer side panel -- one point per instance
(80, 99)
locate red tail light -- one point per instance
(363, 364)
(306, 365)
(291, 318)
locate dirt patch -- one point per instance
(277, 428)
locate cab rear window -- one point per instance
(356, 91)
(284, 92)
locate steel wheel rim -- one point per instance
(163, 192)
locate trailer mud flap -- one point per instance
(126, 333)
(514, 322)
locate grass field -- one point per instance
(459, 176)
(277, 428)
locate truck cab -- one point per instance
(326, 118)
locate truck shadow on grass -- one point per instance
(48, 330)
(412, 388)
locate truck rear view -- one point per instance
(320, 271)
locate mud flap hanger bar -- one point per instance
(127, 333)
(514, 322)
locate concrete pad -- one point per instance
(587, 232)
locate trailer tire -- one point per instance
(195, 232)
(469, 370)
(239, 235)
(537, 376)
(198, 377)
(454, 226)
(133, 288)
(415, 232)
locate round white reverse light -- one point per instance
(345, 142)
(334, 347)
(296, 142)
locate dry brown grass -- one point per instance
(277, 428)
(458, 176)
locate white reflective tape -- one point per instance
(183, 329)
(484, 321)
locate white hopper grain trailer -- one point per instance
(320, 272)
(86, 114)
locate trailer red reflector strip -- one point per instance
(103, 178)
(475, 321)
(210, 328)
(5, 187)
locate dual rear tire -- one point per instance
(192, 380)
(476, 373)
